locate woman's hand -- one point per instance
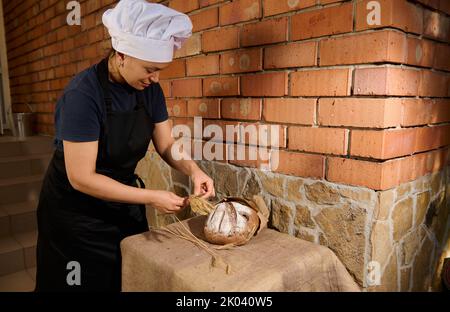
(203, 184)
(166, 202)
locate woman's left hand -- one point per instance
(203, 184)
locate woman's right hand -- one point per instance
(166, 202)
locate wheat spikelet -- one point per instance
(199, 205)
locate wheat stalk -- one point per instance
(186, 234)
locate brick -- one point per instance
(291, 55)
(187, 88)
(221, 86)
(176, 108)
(183, 5)
(431, 3)
(75, 55)
(104, 46)
(436, 25)
(441, 57)
(354, 172)
(424, 111)
(92, 6)
(420, 52)
(241, 61)
(57, 48)
(205, 3)
(268, 84)
(96, 34)
(386, 81)
(81, 65)
(262, 134)
(329, 1)
(247, 109)
(392, 143)
(299, 164)
(249, 156)
(89, 51)
(424, 163)
(383, 46)
(428, 138)
(68, 44)
(99, 13)
(176, 69)
(202, 65)
(419, 165)
(166, 86)
(434, 84)
(89, 21)
(230, 135)
(321, 22)
(221, 39)
(206, 108)
(318, 140)
(182, 121)
(79, 38)
(239, 11)
(444, 6)
(324, 82)
(205, 19)
(383, 144)
(289, 110)
(274, 7)
(265, 32)
(360, 112)
(398, 14)
(59, 72)
(192, 46)
(211, 151)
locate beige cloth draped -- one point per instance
(271, 261)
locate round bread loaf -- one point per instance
(231, 222)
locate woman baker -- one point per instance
(105, 119)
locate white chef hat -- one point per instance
(147, 31)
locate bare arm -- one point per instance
(163, 141)
(80, 159)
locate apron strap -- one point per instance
(139, 99)
(141, 183)
(102, 75)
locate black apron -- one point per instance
(74, 226)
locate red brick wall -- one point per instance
(44, 53)
(358, 104)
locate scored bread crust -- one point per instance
(231, 222)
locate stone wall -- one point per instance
(403, 229)
(408, 231)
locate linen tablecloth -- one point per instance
(271, 261)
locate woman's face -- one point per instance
(138, 73)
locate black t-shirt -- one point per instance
(80, 110)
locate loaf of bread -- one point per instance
(234, 221)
